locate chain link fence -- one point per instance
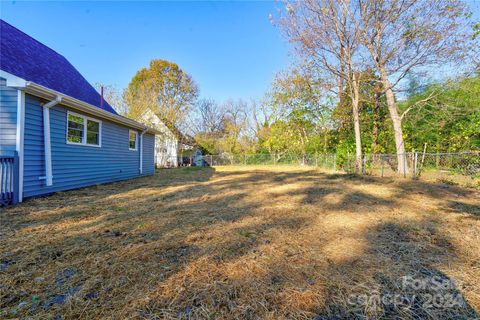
(453, 168)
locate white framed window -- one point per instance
(83, 130)
(132, 140)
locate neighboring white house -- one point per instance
(166, 142)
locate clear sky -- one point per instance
(230, 48)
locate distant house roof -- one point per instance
(182, 138)
(161, 124)
(25, 57)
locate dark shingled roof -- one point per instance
(25, 57)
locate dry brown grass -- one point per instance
(240, 243)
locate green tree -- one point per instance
(445, 116)
(402, 38)
(302, 110)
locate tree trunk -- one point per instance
(376, 121)
(356, 124)
(396, 121)
(342, 71)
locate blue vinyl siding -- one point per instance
(8, 117)
(76, 166)
(148, 154)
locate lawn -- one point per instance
(244, 243)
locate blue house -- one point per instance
(56, 131)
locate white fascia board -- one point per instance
(12, 80)
(41, 91)
(154, 121)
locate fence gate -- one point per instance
(8, 178)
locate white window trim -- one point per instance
(84, 136)
(136, 140)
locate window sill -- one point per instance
(84, 144)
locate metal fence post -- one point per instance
(404, 164)
(334, 162)
(364, 170)
(348, 161)
(244, 159)
(415, 157)
(381, 159)
(316, 160)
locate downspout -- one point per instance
(46, 139)
(141, 150)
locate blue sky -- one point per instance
(230, 48)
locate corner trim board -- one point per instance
(141, 151)
(20, 140)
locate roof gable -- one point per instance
(29, 59)
(162, 124)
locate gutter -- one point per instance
(46, 139)
(43, 92)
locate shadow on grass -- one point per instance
(197, 243)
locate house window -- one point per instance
(83, 130)
(75, 128)
(132, 140)
(93, 132)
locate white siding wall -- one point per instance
(165, 151)
(8, 117)
(166, 144)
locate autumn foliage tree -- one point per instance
(163, 88)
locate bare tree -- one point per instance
(327, 34)
(113, 96)
(407, 36)
(234, 123)
(210, 116)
